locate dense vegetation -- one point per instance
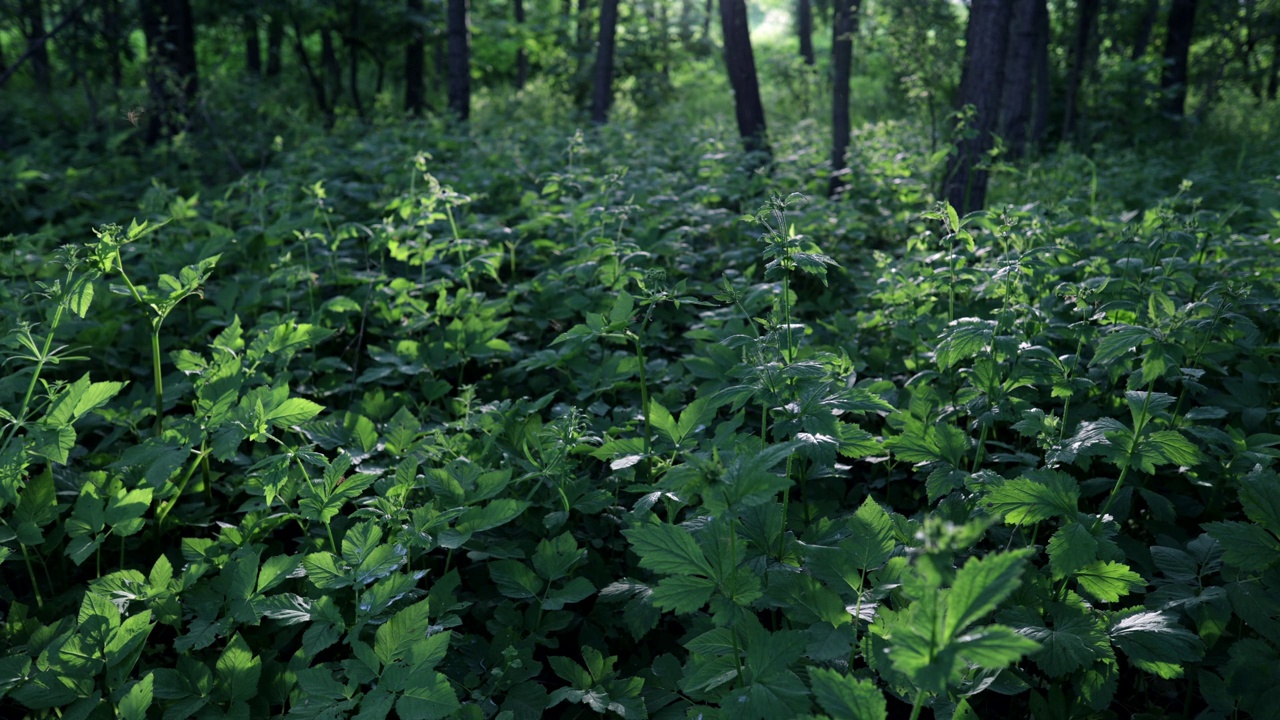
(313, 410)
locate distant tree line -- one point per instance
(1023, 71)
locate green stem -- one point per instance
(919, 703)
(35, 375)
(155, 370)
(163, 512)
(35, 586)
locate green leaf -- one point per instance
(845, 698)
(994, 646)
(293, 411)
(1037, 495)
(576, 590)
(963, 338)
(427, 696)
(395, 638)
(1071, 548)
(81, 295)
(1155, 642)
(515, 580)
(237, 671)
(1245, 545)
(1075, 641)
(134, 704)
(682, 593)
(870, 541)
(494, 514)
(979, 587)
(1109, 581)
(553, 559)
(660, 418)
(324, 571)
(668, 549)
(1120, 340)
(1260, 495)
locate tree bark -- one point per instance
(115, 40)
(522, 55)
(1274, 83)
(37, 42)
(1143, 39)
(171, 64)
(981, 83)
(332, 70)
(415, 85)
(843, 28)
(741, 65)
(1086, 24)
(1177, 46)
(602, 88)
(353, 56)
(275, 39)
(1040, 72)
(459, 41)
(1019, 80)
(252, 48)
(804, 24)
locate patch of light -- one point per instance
(775, 26)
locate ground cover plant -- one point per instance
(529, 417)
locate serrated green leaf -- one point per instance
(870, 541)
(293, 412)
(397, 636)
(1155, 642)
(515, 580)
(135, 702)
(427, 696)
(979, 587)
(1037, 495)
(1260, 495)
(963, 338)
(1108, 581)
(668, 549)
(994, 646)
(576, 590)
(1118, 341)
(1245, 545)
(846, 698)
(237, 671)
(682, 593)
(1072, 547)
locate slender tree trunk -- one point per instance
(252, 49)
(706, 21)
(1086, 22)
(317, 83)
(113, 35)
(332, 69)
(1040, 73)
(602, 88)
(171, 64)
(459, 40)
(275, 39)
(415, 85)
(522, 55)
(1143, 39)
(1274, 83)
(1019, 76)
(804, 25)
(981, 83)
(1177, 46)
(842, 30)
(353, 56)
(741, 64)
(33, 28)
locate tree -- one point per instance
(252, 48)
(275, 38)
(1177, 45)
(522, 54)
(844, 27)
(32, 22)
(1086, 24)
(804, 25)
(741, 65)
(602, 87)
(459, 42)
(1143, 37)
(981, 83)
(1020, 81)
(415, 86)
(171, 64)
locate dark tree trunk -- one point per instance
(706, 21)
(1040, 73)
(602, 88)
(332, 69)
(1274, 83)
(843, 28)
(1015, 103)
(459, 39)
(981, 83)
(317, 83)
(38, 47)
(522, 55)
(741, 65)
(275, 39)
(1173, 81)
(171, 64)
(114, 37)
(415, 84)
(804, 24)
(353, 56)
(1086, 24)
(1148, 23)
(252, 49)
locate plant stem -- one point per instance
(919, 703)
(155, 370)
(35, 586)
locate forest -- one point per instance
(741, 359)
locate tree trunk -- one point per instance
(1173, 81)
(33, 28)
(252, 49)
(1015, 102)
(275, 38)
(706, 21)
(1143, 39)
(415, 85)
(522, 55)
(602, 88)
(171, 64)
(332, 69)
(114, 37)
(981, 82)
(1274, 83)
(804, 24)
(459, 39)
(317, 84)
(842, 31)
(1086, 22)
(741, 65)
(353, 56)
(1040, 73)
